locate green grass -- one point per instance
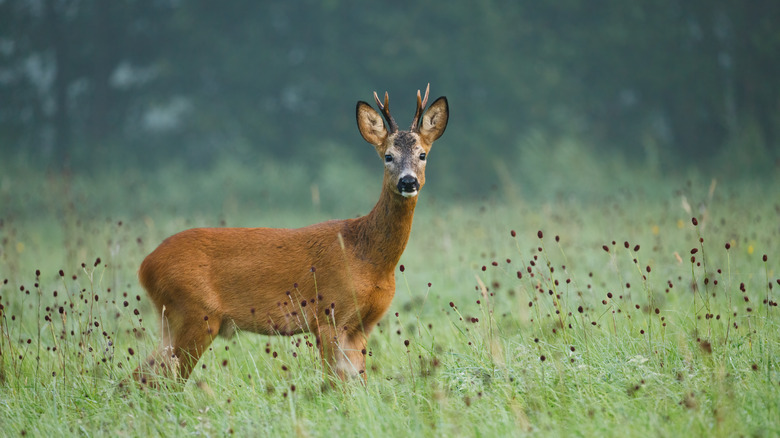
(642, 339)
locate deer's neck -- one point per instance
(380, 237)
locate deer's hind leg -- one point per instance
(186, 333)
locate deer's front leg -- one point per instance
(343, 353)
(351, 356)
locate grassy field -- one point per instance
(649, 309)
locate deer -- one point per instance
(334, 279)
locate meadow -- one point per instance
(612, 303)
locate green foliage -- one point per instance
(525, 332)
(85, 83)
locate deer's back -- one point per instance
(251, 273)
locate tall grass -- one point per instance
(635, 313)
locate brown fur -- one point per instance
(334, 279)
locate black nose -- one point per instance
(408, 184)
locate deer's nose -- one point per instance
(408, 185)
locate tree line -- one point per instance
(85, 81)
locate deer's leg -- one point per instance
(343, 352)
(327, 343)
(162, 362)
(158, 364)
(185, 334)
(190, 341)
(351, 357)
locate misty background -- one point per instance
(538, 91)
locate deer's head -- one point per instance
(404, 152)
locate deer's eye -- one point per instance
(422, 156)
(388, 158)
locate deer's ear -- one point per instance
(434, 122)
(371, 125)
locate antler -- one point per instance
(386, 111)
(421, 102)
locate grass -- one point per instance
(561, 315)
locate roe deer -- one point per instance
(334, 279)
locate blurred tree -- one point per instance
(64, 76)
(158, 79)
